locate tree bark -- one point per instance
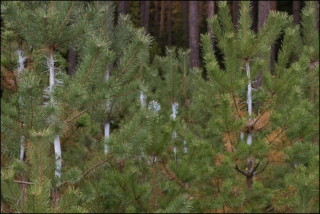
(147, 16)
(145, 12)
(72, 59)
(184, 5)
(210, 13)
(194, 33)
(156, 19)
(296, 12)
(235, 14)
(122, 7)
(273, 46)
(163, 8)
(142, 3)
(169, 24)
(264, 9)
(201, 5)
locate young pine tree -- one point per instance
(73, 104)
(282, 121)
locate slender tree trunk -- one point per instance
(184, 5)
(249, 176)
(235, 14)
(72, 57)
(296, 12)
(163, 8)
(201, 5)
(57, 146)
(170, 24)
(264, 9)
(147, 16)
(194, 33)
(254, 15)
(156, 19)
(122, 7)
(273, 46)
(142, 13)
(210, 13)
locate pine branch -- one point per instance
(31, 109)
(194, 148)
(119, 95)
(136, 130)
(94, 61)
(40, 168)
(135, 196)
(23, 182)
(24, 27)
(255, 168)
(98, 164)
(123, 24)
(134, 54)
(15, 198)
(59, 211)
(263, 168)
(64, 21)
(241, 171)
(84, 111)
(264, 33)
(15, 130)
(46, 25)
(182, 205)
(71, 40)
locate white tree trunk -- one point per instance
(22, 148)
(107, 125)
(106, 134)
(57, 150)
(174, 115)
(20, 69)
(57, 147)
(143, 99)
(249, 102)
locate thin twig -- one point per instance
(263, 168)
(98, 164)
(64, 21)
(94, 61)
(135, 196)
(22, 182)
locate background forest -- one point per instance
(160, 106)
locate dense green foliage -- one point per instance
(178, 142)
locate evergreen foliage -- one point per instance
(139, 132)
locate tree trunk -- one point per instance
(156, 19)
(122, 7)
(147, 16)
(201, 4)
(235, 14)
(210, 13)
(254, 15)
(145, 12)
(142, 13)
(194, 33)
(169, 24)
(296, 12)
(72, 57)
(249, 175)
(184, 5)
(163, 8)
(264, 9)
(273, 46)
